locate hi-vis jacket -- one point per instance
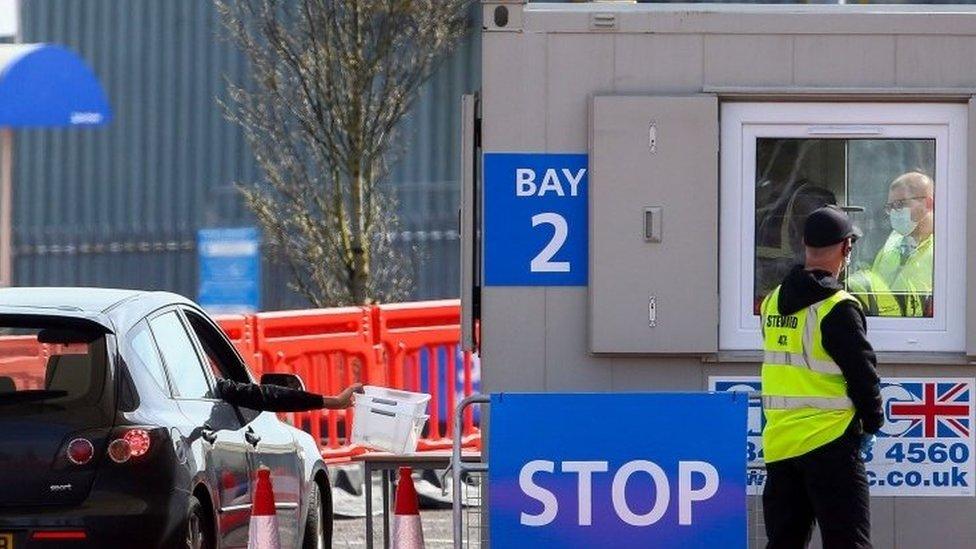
(873, 293)
(909, 277)
(804, 393)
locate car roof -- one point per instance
(93, 300)
(113, 308)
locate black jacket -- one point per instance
(267, 398)
(843, 331)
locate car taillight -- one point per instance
(138, 440)
(80, 451)
(119, 451)
(131, 443)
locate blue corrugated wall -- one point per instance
(120, 206)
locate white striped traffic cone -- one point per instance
(407, 531)
(263, 530)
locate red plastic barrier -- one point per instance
(405, 331)
(22, 359)
(384, 345)
(329, 349)
(240, 331)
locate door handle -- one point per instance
(251, 437)
(207, 433)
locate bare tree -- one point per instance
(329, 82)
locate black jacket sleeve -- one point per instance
(844, 339)
(267, 398)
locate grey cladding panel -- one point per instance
(650, 63)
(971, 232)
(844, 60)
(513, 335)
(934, 61)
(569, 367)
(653, 152)
(569, 88)
(750, 60)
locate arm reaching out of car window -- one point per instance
(273, 398)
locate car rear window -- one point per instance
(50, 363)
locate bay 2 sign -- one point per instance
(535, 230)
(627, 470)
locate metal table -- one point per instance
(388, 464)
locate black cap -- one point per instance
(828, 226)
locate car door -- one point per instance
(276, 449)
(272, 443)
(221, 430)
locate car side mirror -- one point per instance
(290, 381)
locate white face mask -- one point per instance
(901, 221)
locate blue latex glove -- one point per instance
(867, 442)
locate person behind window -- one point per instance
(904, 262)
(272, 398)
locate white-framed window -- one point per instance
(899, 169)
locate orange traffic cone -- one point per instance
(407, 532)
(263, 530)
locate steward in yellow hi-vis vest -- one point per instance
(821, 396)
(804, 391)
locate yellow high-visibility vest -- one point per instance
(910, 279)
(873, 293)
(804, 392)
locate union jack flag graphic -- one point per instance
(935, 410)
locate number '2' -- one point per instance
(542, 263)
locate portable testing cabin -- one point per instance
(636, 181)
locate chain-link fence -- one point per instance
(469, 481)
(756, 525)
(474, 528)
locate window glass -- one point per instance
(181, 358)
(50, 362)
(888, 187)
(223, 361)
(143, 348)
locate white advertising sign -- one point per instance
(925, 447)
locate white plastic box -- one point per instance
(388, 419)
(414, 404)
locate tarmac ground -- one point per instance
(352, 532)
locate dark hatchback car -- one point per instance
(110, 435)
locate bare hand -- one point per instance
(344, 399)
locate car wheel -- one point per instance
(315, 523)
(197, 533)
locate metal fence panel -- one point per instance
(120, 206)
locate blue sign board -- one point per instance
(535, 230)
(623, 470)
(230, 267)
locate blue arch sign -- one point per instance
(44, 85)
